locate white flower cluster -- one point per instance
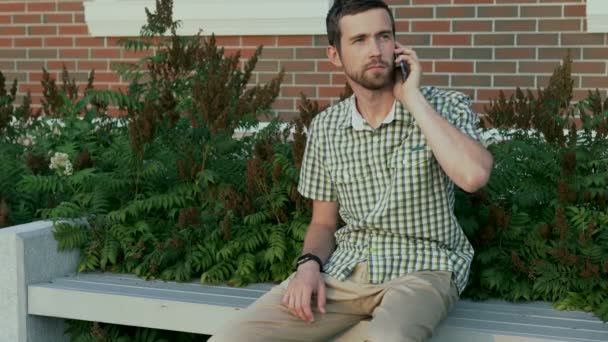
(60, 162)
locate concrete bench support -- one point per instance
(28, 255)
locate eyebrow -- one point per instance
(363, 35)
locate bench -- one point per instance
(197, 308)
(43, 293)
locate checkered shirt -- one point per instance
(396, 201)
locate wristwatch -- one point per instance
(307, 257)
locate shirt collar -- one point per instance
(355, 120)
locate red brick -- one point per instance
(33, 87)
(42, 53)
(538, 67)
(57, 18)
(414, 39)
(304, 53)
(494, 39)
(515, 1)
(79, 18)
(228, 41)
(326, 66)
(436, 80)
(13, 7)
(58, 65)
(294, 41)
(472, 25)
(27, 19)
(514, 81)
(595, 53)
(473, 2)
(455, 12)
(320, 40)
(575, 11)
(559, 53)
(583, 39)
(496, 11)
(454, 67)
(41, 7)
(496, 67)
(74, 30)
(87, 41)
(5, 19)
(12, 30)
(515, 53)
(6, 65)
(6, 42)
(105, 77)
(451, 39)
(28, 42)
(97, 65)
(12, 53)
(430, 2)
(265, 77)
(258, 40)
(74, 53)
(291, 66)
(589, 67)
(311, 79)
(414, 12)
(338, 78)
(515, 25)
(105, 53)
(59, 41)
(44, 30)
(471, 81)
(537, 39)
(331, 91)
(427, 66)
(71, 6)
(541, 11)
(559, 25)
(402, 26)
(295, 91)
(595, 82)
(31, 65)
(431, 26)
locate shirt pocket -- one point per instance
(412, 172)
(354, 185)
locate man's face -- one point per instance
(366, 49)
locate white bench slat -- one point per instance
(197, 308)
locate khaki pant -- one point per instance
(405, 309)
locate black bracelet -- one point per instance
(307, 257)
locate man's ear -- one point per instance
(334, 56)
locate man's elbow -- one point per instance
(477, 177)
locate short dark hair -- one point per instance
(341, 8)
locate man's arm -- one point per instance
(321, 242)
(464, 160)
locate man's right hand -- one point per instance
(305, 283)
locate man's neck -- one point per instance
(374, 106)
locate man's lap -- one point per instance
(406, 308)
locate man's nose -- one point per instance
(374, 48)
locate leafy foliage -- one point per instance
(540, 226)
(81, 331)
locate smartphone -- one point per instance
(403, 69)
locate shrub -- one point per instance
(540, 226)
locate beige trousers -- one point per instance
(405, 309)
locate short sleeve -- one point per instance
(462, 116)
(315, 182)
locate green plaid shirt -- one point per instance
(396, 201)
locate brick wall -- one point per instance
(476, 46)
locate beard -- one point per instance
(372, 79)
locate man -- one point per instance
(386, 161)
